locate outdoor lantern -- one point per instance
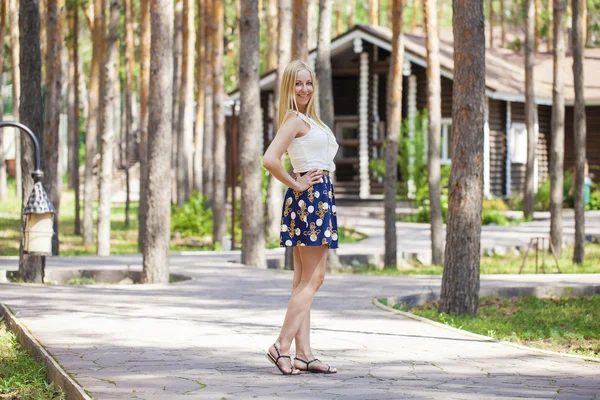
(39, 213)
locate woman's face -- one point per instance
(304, 88)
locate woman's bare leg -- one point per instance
(302, 338)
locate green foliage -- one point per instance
(21, 377)
(195, 218)
(542, 197)
(82, 280)
(494, 204)
(495, 217)
(412, 158)
(594, 203)
(566, 324)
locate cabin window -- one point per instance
(446, 151)
(518, 143)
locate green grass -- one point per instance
(505, 264)
(21, 377)
(566, 324)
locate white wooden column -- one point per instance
(508, 154)
(412, 112)
(363, 122)
(536, 177)
(486, 149)
(375, 104)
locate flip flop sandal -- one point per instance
(314, 371)
(276, 362)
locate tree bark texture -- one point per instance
(530, 109)
(579, 129)
(434, 113)
(415, 10)
(144, 94)
(186, 106)
(491, 25)
(177, 45)
(272, 37)
(393, 133)
(15, 50)
(219, 191)
(299, 31)
(200, 85)
(538, 24)
(311, 24)
(3, 187)
(460, 281)
(74, 121)
(253, 238)
(91, 135)
(339, 15)
(374, 12)
(155, 245)
(325, 87)
(557, 150)
(55, 17)
(31, 268)
(549, 37)
(209, 123)
(109, 131)
(128, 106)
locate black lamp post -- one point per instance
(38, 209)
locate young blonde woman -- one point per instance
(309, 222)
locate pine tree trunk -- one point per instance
(219, 190)
(155, 245)
(208, 155)
(15, 50)
(74, 132)
(299, 31)
(579, 129)
(538, 24)
(92, 127)
(415, 9)
(31, 268)
(3, 187)
(253, 238)
(271, 35)
(53, 96)
(503, 24)
(549, 37)
(491, 26)
(434, 112)
(529, 108)
(177, 45)
(584, 18)
(200, 85)
(186, 105)
(460, 281)
(311, 24)
(557, 151)
(109, 131)
(374, 12)
(394, 120)
(339, 12)
(351, 14)
(128, 128)
(144, 94)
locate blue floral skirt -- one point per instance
(309, 218)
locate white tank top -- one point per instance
(316, 149)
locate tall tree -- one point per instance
(3, 187)
(415, 10)
(460, 281)
(155, 244)
(31, 268)
(373, 6)
(271, 35)
(299, 31)
(434, 114)
(549, 35)
(177, 45)
(186, 105)
(128, 106)
(557, 152)
(339, 13)
(530, 116)
(325, 86)
(274, 186)
(144, 95)
(15, 50)
(538, 24)
(253, 238)
(109, 131)
(73, 109)
(219, 190)
(91, 135)
(200, 85)
(503, 24)
(391, 146)
(491, 26)
(579, 129)
(311, 24)
(208, 155)
(351, 13)
(55, 16)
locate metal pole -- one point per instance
(37, 174)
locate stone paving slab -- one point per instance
(206, 339)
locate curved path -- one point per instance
(206, 339)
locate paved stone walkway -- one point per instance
(206, 339)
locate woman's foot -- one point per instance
(314, 365)
(283, 362)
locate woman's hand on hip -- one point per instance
(312, 177)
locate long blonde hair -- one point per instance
(287, 92)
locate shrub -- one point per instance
(493, 217)
(594, 203)
(195, 218)
(494, 204)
